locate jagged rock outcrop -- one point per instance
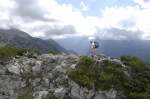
(37, 75)
(46, 76)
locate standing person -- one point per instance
(94, 45)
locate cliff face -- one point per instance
(63, 76)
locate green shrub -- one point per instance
(54, 52)
(83, 75)
(138, 87)
(107, 75)
(25, 97)
(84, 60)
(82, 78)
(8, 52)
(135, 95)
(135, 63)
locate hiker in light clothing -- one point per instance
(94, 45)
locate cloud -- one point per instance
(6, 7)
(133, 18)
(63, 13)
(48, 18)
(119, 17)
(36, 16)
(83, 6)
(143, 3)
(28, 9)
(119, 34)
(55, 31)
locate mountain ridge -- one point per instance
(20, 39)
(114, 48)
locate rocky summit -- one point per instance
(64, 76)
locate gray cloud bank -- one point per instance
(47, 19)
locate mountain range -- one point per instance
(114, 48)
(77, 45)
(17, 38)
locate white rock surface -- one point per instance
(44, 73)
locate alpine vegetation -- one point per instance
(62, 76)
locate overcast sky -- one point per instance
(64, 18)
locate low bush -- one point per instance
(25, 97)
(8, 52)
(107, 75)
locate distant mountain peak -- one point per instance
(14, 32)
(20, 39)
